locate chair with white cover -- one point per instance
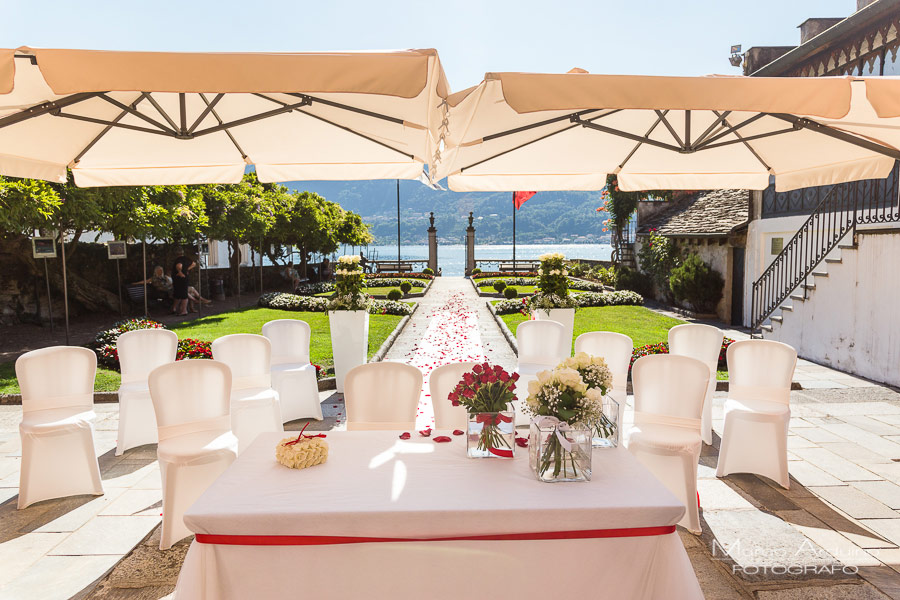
(538, 344)
(57, 431)
(757, 411)
(668, 399)
(616, 349)
(255, 408)
(382, 395)
(192, 405)
(293, 376)
(703, 342)
(140, 352)
(441, 382)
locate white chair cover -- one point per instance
(254, 404)
(192, 404)
(382, 395)
(539, 344)
(703, 342)
(293, 377)
(441, 382)
(58, 457)
(668, 400)
(140, 352)
(616, 349)
(757, 412)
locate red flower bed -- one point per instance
(418, 275)
(484, 274)
(190, 348)
(663, 348)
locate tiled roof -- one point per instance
(715, 212)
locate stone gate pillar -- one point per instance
(470, 245)
(432, 246)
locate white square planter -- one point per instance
(349, 341)
(566, 318)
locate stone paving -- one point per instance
(834, 534)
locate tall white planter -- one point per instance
(349, 341)
(566, 318)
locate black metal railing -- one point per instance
(842, 208)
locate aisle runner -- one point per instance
(451, 336)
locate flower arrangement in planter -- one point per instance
(486, 393)
(552, 284)
(189, 348)
(595, 374)
(350, 280)
(562, 407)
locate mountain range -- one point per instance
(548, 217)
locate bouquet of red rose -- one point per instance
(486, 393)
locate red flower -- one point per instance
(504, 376)
(476, 369)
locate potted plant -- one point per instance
(562, 406)
(487, 393)
(551, 301)
(348, 318)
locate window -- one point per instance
(777, 245)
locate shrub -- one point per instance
(427, 271)
(405, 287)
(476, 271)
(578, 269)
(696, 283)
(510, 293)
(619, 298)
(394, 282)
(189, 348)
(394, 294)
(585, 286)
(499, 286)
(311, 289)
(281, 301)
(658, 256)
(109, 336)
(509, 307)
(630, 279)
(390, 307)
(605, 276)
(508, 281)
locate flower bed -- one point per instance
(324, 287)
(282, 301)
(508, 281)
(619, 298)
(108, 354)
(663, 348)
(416, 275)
(190, 348)
(496, 274)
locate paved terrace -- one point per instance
(838, 526)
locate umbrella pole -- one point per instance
(144, 250)
(62, 245)
(49, 300)
(260, 266)
(514, 232)
(398, 226)
(239, 275)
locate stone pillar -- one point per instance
(432, 246)
(470, 245)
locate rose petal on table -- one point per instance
(404, 435)
(522, 442)
(425, 433)
(458, 432)
(442, 438)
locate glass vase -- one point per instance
(560, 452)
(605, 430)
(491, 435)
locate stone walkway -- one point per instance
(834, 534)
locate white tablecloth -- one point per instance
(375, 485)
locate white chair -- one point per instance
(293, 376)
(758, 411)
(703, 342)
(382, 395)
(191, 401)
(441, 382)
(254, 404)
(665, 438)
(140, 352)
(539, 344)
(58, 457)
(616, 349)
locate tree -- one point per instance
(621, 206)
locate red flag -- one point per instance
(519, 198)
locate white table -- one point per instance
(375, 485)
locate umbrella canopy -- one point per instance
(531, 131)
(142, 118)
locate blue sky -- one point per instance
(690, 37)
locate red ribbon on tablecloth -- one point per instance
(330, 540)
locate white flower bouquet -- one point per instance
(349, 284)
(552, 284)
(596, 375)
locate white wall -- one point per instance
(851, 321)
(758, 254)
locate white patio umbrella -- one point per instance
(525, 131)
(151, 118)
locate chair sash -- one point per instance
(645, 418)
(760, 392)
(262, 380)
(220, 423)
(85, 400)
(380, 425)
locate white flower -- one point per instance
(534, 386)
(545, 377)
(349, 259)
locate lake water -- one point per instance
(452, 258)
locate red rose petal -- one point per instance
(442, 438)
(404, 435)
(522, 442)
(425, 433)
(458, 432)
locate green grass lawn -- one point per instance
(245, 320)
(380, 292)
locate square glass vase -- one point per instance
(605, 430)
(491, 435)
(560, 452)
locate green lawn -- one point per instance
(641, 324)
(245, 320)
